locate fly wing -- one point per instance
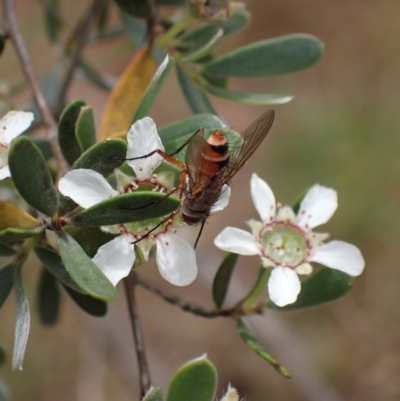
(194, 161)
(252, 138)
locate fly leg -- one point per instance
(155, 227)
(168, 157)
(180, 188)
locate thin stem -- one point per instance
(172, 32)
(198, 310)
(144, 375)
(11, 28)
(78, 38)
(258, 288)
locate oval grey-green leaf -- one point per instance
(324, 286)
(92, 306)
(31, 176)
(69, 144)
(86, 275)
(150, 95)
(278, 56)
(126, 208)
(258, 99)
(195, 96)
(48, 298)
(194, 381)
(85, 129)
(53, 262)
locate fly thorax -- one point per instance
(218, 151)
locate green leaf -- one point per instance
(324, 286)
(223, 277)
(137, 8)
(96, 235)
(126, 208)
(16, 234)
(6, 250)
(88, 277)
(95, 77)
(23, 320)
(44, 146)
(2, 44)
(66, 131)
(53, 262)
(31, 176)
(278, 56)
(154, 394)
(150, 95)
(4, 392)
(92, 306)
(195, 97)
(103, 157)
(2, 359)
(247, 335)
(6, 281)
(102, 15)
(50, 83)
(235, 22)
(203, 45)
(52, 18)
(194, 381)
(135, 28)
(173, 135)
(258, 287)
(48, 298)
(85, 129)
(258, 99)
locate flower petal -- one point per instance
(255, 226)
(263, 198)
(14, 123)
(116, 258)
(341, 256)
(233, 239)
(304, 268)
(316, 239)
(142, 139)
(176, 259)
(283, 286)
(86, 187)
(317, 207)
(223, 200)
(4, 172)
(3, 155)
(286, 213)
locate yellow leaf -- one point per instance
(126, 94)
(13, 217)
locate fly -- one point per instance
(209, 166)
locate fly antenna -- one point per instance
(201, 230)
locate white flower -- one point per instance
(231, 394)
(14, 123)
(176, 258)
(285, 241)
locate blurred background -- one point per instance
(341, 130)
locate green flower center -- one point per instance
(284, 244)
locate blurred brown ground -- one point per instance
(341, 130)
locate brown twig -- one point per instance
(196, 309)
(11, 28)
(78, 39)
(130, 282)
